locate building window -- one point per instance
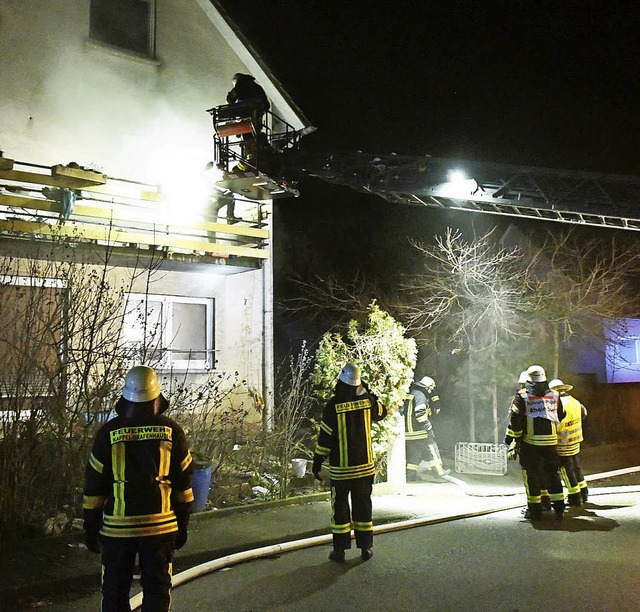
(31, 332)
(627, 351)
(170, 332)
(128, 25)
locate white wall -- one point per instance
(65, 99)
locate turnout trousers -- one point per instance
(423, 449)
(155, 557)
(358, 517)
(540, 470)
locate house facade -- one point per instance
(107, 152)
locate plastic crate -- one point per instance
(481, 458)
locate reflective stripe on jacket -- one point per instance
(345, 436)
(535, 430)
(138, 473)
(570, 428)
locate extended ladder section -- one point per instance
(245, 148)
(89, 208)
(537, 193)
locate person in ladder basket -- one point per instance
(345, 438)
(534, 416)
(420, 441)
(246, 91)
(137, 494)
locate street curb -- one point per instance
(273, 503)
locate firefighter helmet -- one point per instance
(351, 374)
(524, 378)
(141, 384)
(537, 373)
(557, 385)
(427, 382)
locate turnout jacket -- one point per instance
(417, 410)
(345, 435)
(534, 416)
(138, 477)
(570, 428)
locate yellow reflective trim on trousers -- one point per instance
(163, 472)
(344, 528)
(342, 440)
(532, 499)
(567, 483)
(363, 525)
(118, 467)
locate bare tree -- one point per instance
(333, 301)
(577, 285)
(469, 298)
(63, 360)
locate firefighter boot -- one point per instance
(366, 554)
(546, 502)
(574, 499)
(337, 555)
(558, 508)
(533, 512)
(584, 494)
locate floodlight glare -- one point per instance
(457, 175)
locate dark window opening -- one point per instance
(126, 24)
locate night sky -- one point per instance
(537, 83)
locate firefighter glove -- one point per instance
(372, 395)
(512, 452)
(183, 513)
(181, 538)
(317, 466)
(92, 540)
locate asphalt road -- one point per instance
(498, 562)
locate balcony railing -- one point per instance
(85, 206)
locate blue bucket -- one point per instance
(200, 484)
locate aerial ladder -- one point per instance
(565, 196)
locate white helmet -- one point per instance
(524, 378)
(557, 385)
(351, 374)
(428, 382)
(141, 384)
(537, 373)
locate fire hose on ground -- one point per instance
(269, 551)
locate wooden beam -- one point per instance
(64, 182)
(122, 215)
(112, 234)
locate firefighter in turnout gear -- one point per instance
(569, 438)
(345, 438)
(420, 441)
(534, 416)
(137, 495)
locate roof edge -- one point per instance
(257, 67)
